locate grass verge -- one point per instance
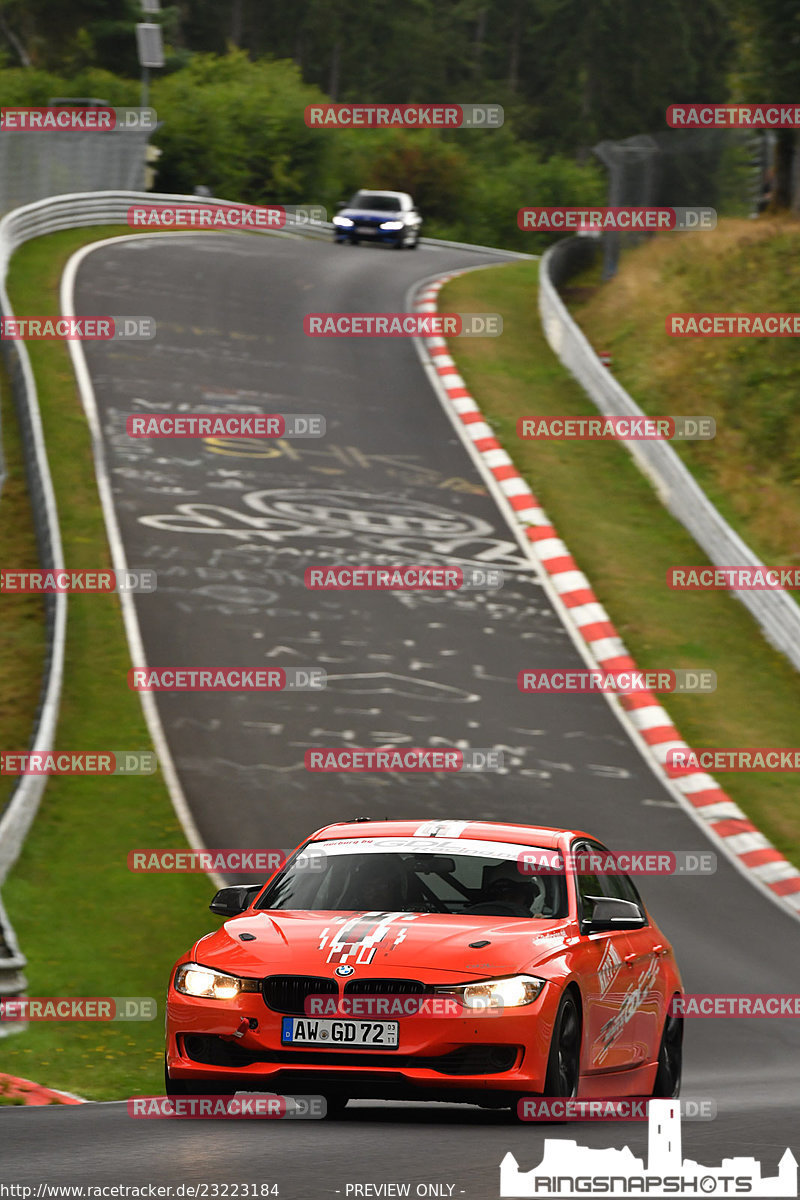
(751, 469)
(624, 540)
(86, 924)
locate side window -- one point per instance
(616, 887)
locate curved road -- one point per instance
(230, 529)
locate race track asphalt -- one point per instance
(230, 529)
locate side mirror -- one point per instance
(231, 901)
(342, 203)
(609, 914)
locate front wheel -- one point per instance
(670, 1060)
(564, 1062)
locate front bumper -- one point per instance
(363, 231)
(442, 1055)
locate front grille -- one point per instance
(387, 987)
(464, 1060)
(288, 993)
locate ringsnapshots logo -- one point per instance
(410, 759)
(615, 218)
(241, 861)
(78, 1008)
(352, 324)
(77, 329)
(402, 578)
(227, 679)
(92, 762)
(24, 582)
(625, 682)
(404, 116)
(75, 119)
(263, 1106)
(617, 429)
(225, 425)
(567, 1169)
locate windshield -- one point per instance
(395, 875)
(377, 200)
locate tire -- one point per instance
(400, 243)
(335, 1106)
(667, 1084)
(564, 1061)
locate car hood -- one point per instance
(371, 214)
(407, 945)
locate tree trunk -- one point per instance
(14, 41)
(333, 79)
(237, 22)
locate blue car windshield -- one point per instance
(377, 201)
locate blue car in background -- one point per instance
(390, 217)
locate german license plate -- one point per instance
(308, 1031)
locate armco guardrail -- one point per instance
(71, 211)
(775, 611)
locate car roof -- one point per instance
(380, 192)
(493, 831)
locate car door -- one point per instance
(647, 994)
(606, 976)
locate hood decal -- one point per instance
(357, 938)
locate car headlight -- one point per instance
(342, 221)
(391, 224)
(192, 979)
(512, 992)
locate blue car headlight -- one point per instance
(343, 221)
(391, 224)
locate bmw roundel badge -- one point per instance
(344, 971)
